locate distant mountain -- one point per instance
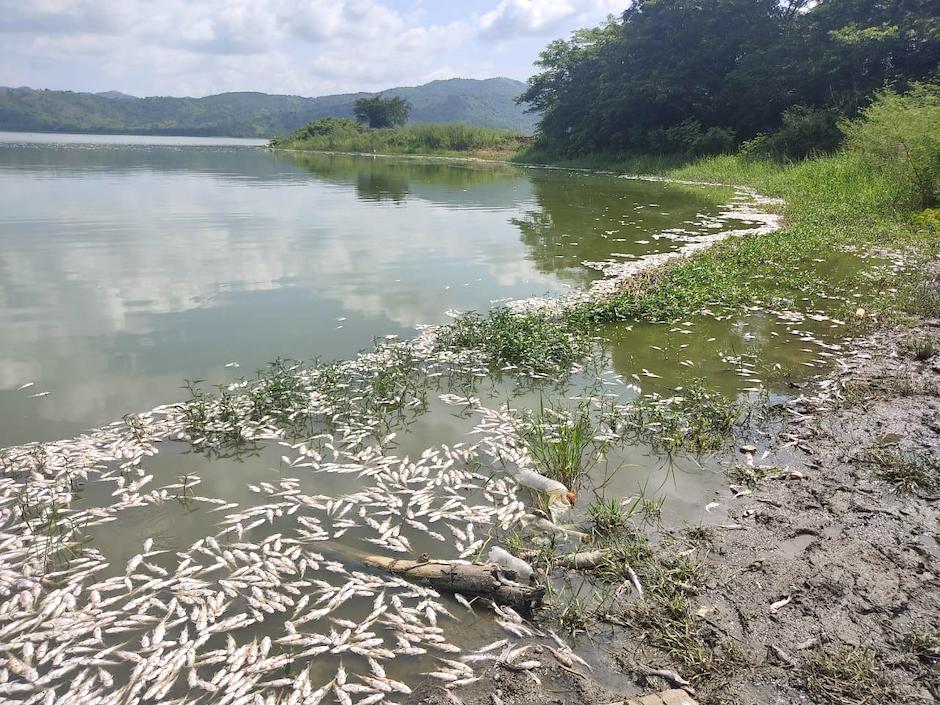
(117, 95)
(486, 102)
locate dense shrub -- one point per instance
(804, 132)
(898, 137)
(689, 138)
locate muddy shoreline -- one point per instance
(824, 585)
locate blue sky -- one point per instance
(304, 47)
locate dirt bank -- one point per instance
(853, 544)
(825, 588)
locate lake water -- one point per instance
(128, 264)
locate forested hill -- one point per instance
(486, 102)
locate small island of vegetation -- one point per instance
(447, 139)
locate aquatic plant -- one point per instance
(565, 443)
(696, 419)
(531, 342)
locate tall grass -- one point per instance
(563, 443)
(336, 135)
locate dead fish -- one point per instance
(780, 603)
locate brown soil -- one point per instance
(830, 591)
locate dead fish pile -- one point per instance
(185, 626)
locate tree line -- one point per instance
(705, 76)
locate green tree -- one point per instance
(697, 76)
(382, 112)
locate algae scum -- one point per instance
(218, 548)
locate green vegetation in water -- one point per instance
(563, 443)
(608, 517)
(226, 423)
(573, 612)
(49, 520)
(529, 341)
(341, 135)
(696, 419)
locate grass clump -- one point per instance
(529, 341)
(861, 390)
(908, 472)
(697, 419)
(920, 348)
(608, 517)
(925, 646)
(563, 442)
(572, 612)
(700, 535)
(669, 576)
(922, 299)
(846, 677)
(667, 615)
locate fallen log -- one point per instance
(475, 579)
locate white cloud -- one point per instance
(307, 47)
(182, 47)
(539, 17)
(60, 16)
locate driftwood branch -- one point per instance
(475, 579)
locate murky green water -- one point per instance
(126, 267)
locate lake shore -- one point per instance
(682, 602)
(823, 587)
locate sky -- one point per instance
(301, 47)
